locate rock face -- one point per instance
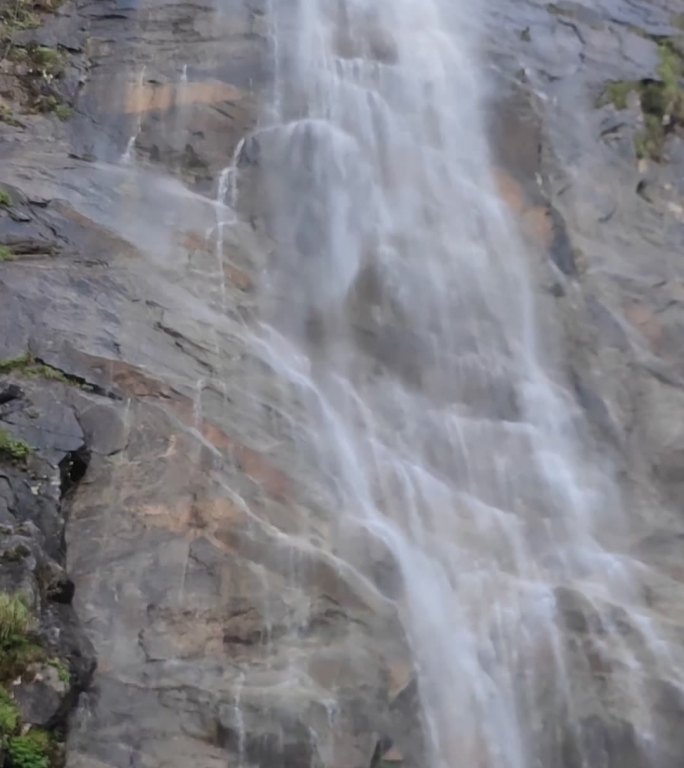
(45, 671)
(225, 628)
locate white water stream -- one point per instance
(399, 311)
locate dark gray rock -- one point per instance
(104, 428)
(41, 697)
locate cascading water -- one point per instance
(398, 310)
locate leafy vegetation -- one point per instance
(62, 669)
(16, 621)
(47, 61)
(31, 750)
(15, 15)
(662, 104)
(617, 93)
(30, 368)
(63, 112)
(6, 253)
(7, 116)
(662, 101)
(34, 748)
(36, 67)
(5, 198)
(15, 661)
(9, 714)
(16, 450)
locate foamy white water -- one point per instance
(398, 309)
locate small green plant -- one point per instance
(5, 198)
(7, 116)
(616, 93)
(63, 112)
(62, 669)
(16, 621)
(662, 101)
(15, 661)
(40, 371)
(14, 17)
(32, 750)
(49, 62)
(649, 142)
(15, 363)
(16, 450)
(30, 368)
(671, 70)
(6, 253)
(9, 714)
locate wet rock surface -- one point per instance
(42, 457)
(200, 572)
(582, 154)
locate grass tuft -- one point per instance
(32, 750)
(15, 450)
(9, 714)
(16, 621)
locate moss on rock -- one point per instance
(15, 450)
(662, 101)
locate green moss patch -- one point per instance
(14, 450)
(36, 68)
(31, 750)
(62, 669)
(9, 714)
(662, 101)
(7, 116)
(617, 93)
(6, 254)
(22, 747)
(14, 17)
(16, 621)
(30, 368)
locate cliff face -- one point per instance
(226, 628)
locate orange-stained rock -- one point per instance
(537, 225)
(511, 191)
(194, 241)
(150, 97)
(239, 277)
(535, 220)
(646, 322)
(393, 756)
(400, 676)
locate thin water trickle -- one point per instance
(398, 311)
(239, 721)
(128, 156)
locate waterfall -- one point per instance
(398, 311)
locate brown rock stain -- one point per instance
(510, 191)
(194, 516)
(152, 97)
(537, 225)
(274, 482)
(535, 220)
(643, 318)
(131, 381)
(239, 278)
(194, 241)
(400, 676)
